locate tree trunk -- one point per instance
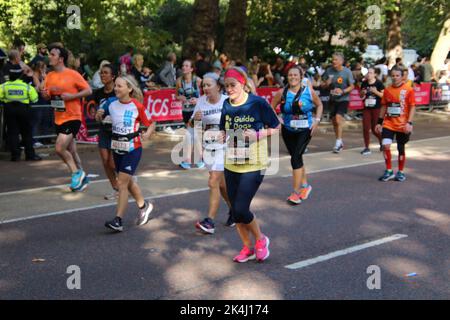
(236, 27)
(394, 41)
(441, 48)
(202, 35)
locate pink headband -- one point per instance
(231, 73)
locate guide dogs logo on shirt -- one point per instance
(239, 122)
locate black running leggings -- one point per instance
(296, 143)
(241, 188)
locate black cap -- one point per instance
(14, 72)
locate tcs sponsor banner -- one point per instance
(162, 105)
(90, 108)
(422, 94)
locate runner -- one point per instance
(65, 88)
(396, 116)
(339, 80)
(245, 116)
(207, 113)
(371, 92)
(127, 113)
(188, 91)
(107, 76)
(298, 125)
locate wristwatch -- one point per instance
(318, 120)
(410, 123)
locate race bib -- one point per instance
(394, 110)
(299, 124)
(58, 105)
(123, 146)
(239, 154)
(334, 93)
(371, 102)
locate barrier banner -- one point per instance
(268, 93)
(440, 93)
(89, 109)
(422, 94)
(356, 103)
(162, 105)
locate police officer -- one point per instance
(16, 96)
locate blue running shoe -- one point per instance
(83, 186)
(206, 225)
(200, 164)
(400, 176)
(185, 165)
(77, 179)
(388, 175)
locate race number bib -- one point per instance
(394, 110)
(123, 146)
(371, 102)
(238, 154)
(334, 93)
(299, 124)
(58, 105)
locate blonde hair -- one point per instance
(136, 57)
(132, 84)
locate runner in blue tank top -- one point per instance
(298, 124)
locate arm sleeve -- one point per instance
(351, 80)
(32, 94)
(269, 116)
(383, 100)
(105, 106)
(80, 83)
(142, 115)
(411, 98)
(222, 119)
(2, 95)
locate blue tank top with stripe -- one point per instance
(305, 110)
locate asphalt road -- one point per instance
(169, 259)
(156, 155)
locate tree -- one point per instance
(202, 35)
(236, 27)
(442, 47)
(394, 40)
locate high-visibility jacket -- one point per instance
(18, 92)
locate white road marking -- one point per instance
(177, 193)
(65, 186)
(98, 206)
(332, 255)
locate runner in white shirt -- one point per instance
(206, 116)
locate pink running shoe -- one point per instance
(262, 249)
(304, 192)
(245, 255)
(294, 198)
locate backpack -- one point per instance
(295, 105)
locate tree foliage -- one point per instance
(154, 27)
